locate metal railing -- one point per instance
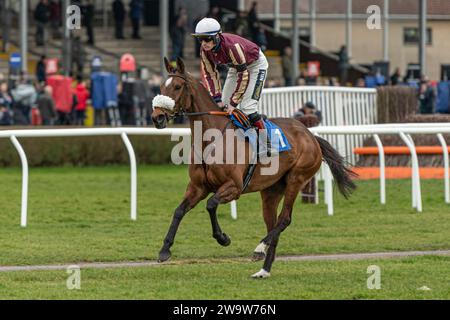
(404, 130)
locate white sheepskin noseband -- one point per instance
(164, 102)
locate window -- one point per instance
(411, 36)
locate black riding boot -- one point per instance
(257, 122)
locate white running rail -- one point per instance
(404, 130)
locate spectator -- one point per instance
(88, 17)
(6, 105)
(135, 16)
(310, 118)
(196, 42)
(395, 78)
(343, 65)
(241, 25)
(6, 118)
(300, 81)
(155, 89)
(308, 115)
(42, 17)
(288, 67)
(119, 17)
(78, 56)
(82, 94)
(426, 97)
(261, 39)
(6, 98)
(55, 18)
(40, 70)
(272, 83)
(253, 21)
(216, 13)
(178, 34)
(46, 106)
(333, 82)
(24, 96)
(125, 104)
(360, 83)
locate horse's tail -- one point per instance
(339, 167)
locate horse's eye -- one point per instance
(177, 87)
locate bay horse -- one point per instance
(296, 168)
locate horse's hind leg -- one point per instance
(271, 198)
(224, 194)
(294, 186)
(192, 196)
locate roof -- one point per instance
(400, 7)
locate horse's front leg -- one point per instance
(224, 194)
(222, 238)
(192, 196)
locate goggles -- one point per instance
(205, 39)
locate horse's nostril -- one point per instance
(160, 118)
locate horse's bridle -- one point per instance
(239, 115)
(184, 113)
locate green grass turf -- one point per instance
(82, 214)
(399, 279)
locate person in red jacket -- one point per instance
(82, 95)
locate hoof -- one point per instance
(260, 252)
(258, 256)
(261, 274)
(223, 240)
(164, 256)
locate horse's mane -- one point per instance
(202, 88)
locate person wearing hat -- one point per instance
(247, 69)
(308, 115)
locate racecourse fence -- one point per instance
(404, 130)
(340, 106)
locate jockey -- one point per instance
(247, 69)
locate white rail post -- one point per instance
(328, 185)
(133, 175)
(323, 175)
(382, 169)
(416, 192)
(316, 189)
(446, 168)
(417, 176)
(328, 189)
(233, 209)
(23, 159)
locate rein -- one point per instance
(238, 114)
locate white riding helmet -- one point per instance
(207, 27)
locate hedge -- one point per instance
(395, 103)
(82, 151)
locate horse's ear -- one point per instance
(180, 65)
(169, 67)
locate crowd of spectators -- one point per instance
(27, 102)
(48, 18)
